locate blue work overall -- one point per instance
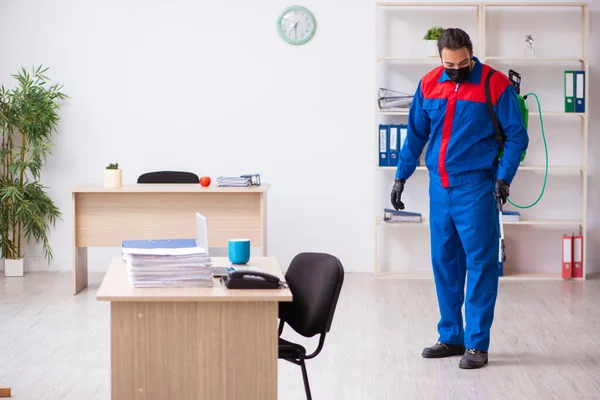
(462, 159)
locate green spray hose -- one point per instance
(545, 148)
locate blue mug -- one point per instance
(239, 251)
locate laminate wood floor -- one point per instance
(545, 343)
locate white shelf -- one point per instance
(392, 112)
(551, 168)
(428, 274)
(546, 222)
(490, 58)
(532, 222)
(535, 4)
(557, 114)
(535, 59)
(521, 276)
(531, 113)
(436, 5)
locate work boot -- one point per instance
(473, 359)
(440, 350)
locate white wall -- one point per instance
(210, 87)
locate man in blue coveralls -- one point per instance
(466, 181)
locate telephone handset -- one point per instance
(251, 280)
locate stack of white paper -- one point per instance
(168, 266)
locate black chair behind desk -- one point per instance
(315, 280)
(168, 177)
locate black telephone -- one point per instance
(251, 280)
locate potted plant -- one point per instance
(431, 37)
(113, 176)
(28, 117)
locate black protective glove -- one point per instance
(502, 190)
(396, 193)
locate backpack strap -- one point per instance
(490, 106)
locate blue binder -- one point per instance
(402, 136)
(384, 135)
(579, 91)
(394, 145)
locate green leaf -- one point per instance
(28, 118)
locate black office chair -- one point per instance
(168, 177)
(315, 280)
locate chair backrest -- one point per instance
(315, 280)
(168, 177)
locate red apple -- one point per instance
(205, 181)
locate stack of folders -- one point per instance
(167, 263)
(389, 100)
(391, 215)
(239, 181)
(511, 216)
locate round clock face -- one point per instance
(296, 25)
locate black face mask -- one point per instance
(458, 75)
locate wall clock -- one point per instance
(296, 25)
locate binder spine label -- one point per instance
(393, 138)
(383, 145)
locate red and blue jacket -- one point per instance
(455, 121)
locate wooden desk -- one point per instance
(193, 343)
(107, 216)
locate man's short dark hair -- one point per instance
(454, 39)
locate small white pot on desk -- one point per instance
(113, 178)
(13, 267)
(432, 50)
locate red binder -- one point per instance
(578, 256)
(567, 257)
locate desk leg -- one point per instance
(194, 350)
(80, 269)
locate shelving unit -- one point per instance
(483, 13)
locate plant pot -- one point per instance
(112, 178)
(13, 267)
(432, 50)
